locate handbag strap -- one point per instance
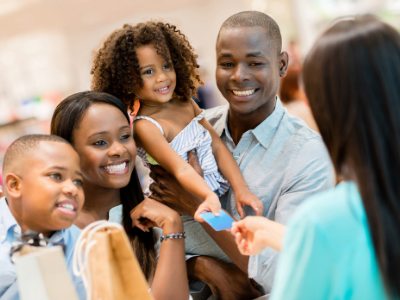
(80, 259)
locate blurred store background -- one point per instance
(46, 45)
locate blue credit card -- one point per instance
(223, 222)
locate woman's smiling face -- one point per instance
(104, 142)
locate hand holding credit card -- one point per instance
(223, 222)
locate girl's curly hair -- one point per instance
(116, 68)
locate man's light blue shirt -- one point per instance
(10, 232)
(283, 162)
(328, 251)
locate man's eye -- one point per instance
(228, 64)
(100, 143)
(56, 176)
(148, 72)
(78, 182)
(256, 64)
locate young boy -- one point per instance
(43, 187)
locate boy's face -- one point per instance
(248, 68)
(159, 78)
(50, 194)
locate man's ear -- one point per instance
(283, 63)
(12, 184)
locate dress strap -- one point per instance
(200, 116)
(151, 120)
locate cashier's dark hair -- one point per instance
(66, 118)
(351, 78)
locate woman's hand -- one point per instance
(254, 234)
(150, 213)
(246, 197)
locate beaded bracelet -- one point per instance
(173, 236)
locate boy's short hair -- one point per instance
(256, 19)
(24, 146)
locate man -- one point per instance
(282, 160)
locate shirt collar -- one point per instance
(8, 221)
(265, 131)
(6, 217)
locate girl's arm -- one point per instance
(155, 144)
(230, 169)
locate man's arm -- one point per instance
(226, 281)
(311, 173)
(167, 190)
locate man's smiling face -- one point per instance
(248, 68)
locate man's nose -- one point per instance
(240, 73)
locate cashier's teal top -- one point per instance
(328, 252)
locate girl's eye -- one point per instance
(148, 72)
(100, 143)
(166, 66)
(56, 176)
(126, 136)
(78, 182)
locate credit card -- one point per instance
(223, 222)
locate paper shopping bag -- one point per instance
(42, 274)
(109, 268)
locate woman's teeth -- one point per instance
(163, 89)
(67, 206)
(115, 168)
(244, 93)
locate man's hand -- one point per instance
(193, 160)
(167, 190)
(226, 281)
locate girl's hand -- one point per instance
(254, 234)
(246, 197)
(150, 213)
(211, 203)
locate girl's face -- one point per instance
(106, 147)
(159, 78)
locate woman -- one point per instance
(345, 243)
(98, 126)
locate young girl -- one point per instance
(154, 63)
